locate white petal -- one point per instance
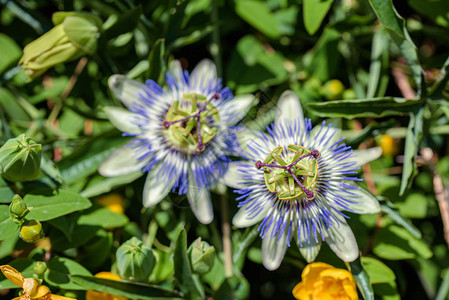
(288, 108)
(175, 70)
(204, 73)
(122, 161)
(127, 90)
(341, 240)
(234, 110)
(364, 202)
(232, 177)
(260, 144)
(273, 251)
(310, 250)
(124, 120)
(243, 219)
(199, 199)
(327, 137)
(365, 156)
(156, 186)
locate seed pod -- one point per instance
(39, 268)
(20, 159)
(135, 260)
(31, 232)
(201, 256)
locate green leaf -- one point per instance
(395, 24)
(362, 278)
(48, 204)
(387, 291)
(396, 243)
(378, 272)
(443, 291)
(164, 267)
(412, 142)
(60, 270)
(7, 246)
(98, 250)
(11, 52)
(107, 184)
(435, 10)
(156, 61)
(314, 12)
(258, 15)
(183, 270)
(396, 216)
(7, 226)
(357, 108)
(86, 159)
(128, 289)
(414, 206)
(6, 193)
(126, 22)
(235, 287)
(379, 68)
(24, 266)
(74, 235)
(11, 106)
(103, 217)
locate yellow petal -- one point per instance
(13, 275)
(312, 273)
(57, 297)
(300, 292)
(41, 291)
(30, 287)
(108, 275)
(339, 274)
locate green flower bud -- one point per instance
(349, 94)
(20, 159)
(74, 35)
(39, 268)
(135, 260)
(201, 256)
(18, 209)
(333, 89)
(31, 231)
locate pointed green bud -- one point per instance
(201, 256)
(74, 35)
(20, 159)
(31, 231)
(18, 209)
(135, 260)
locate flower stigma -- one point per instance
(291, 180)
(188, 126)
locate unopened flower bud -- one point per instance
(31, 231)
(74, 35)
(201, 256)
(333, 89)
(20, 159)
(135, 260)
(39, 268)
(18, 209)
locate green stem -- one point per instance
(215, 47)
(226, 229)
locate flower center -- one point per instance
(189, 126)
(293, 175)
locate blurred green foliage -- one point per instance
(391, 63)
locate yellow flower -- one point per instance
(333, 89)
(321, 281)
(388, 145)
(94, 295)
(112, 201)
(30, 286)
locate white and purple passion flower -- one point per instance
(296, 182)
(180, 134)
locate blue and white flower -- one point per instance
(180, 134)
(296, 182)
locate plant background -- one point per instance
(260, 47)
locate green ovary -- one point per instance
(280, 181)
(184, 134)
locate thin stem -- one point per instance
(226, 228)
